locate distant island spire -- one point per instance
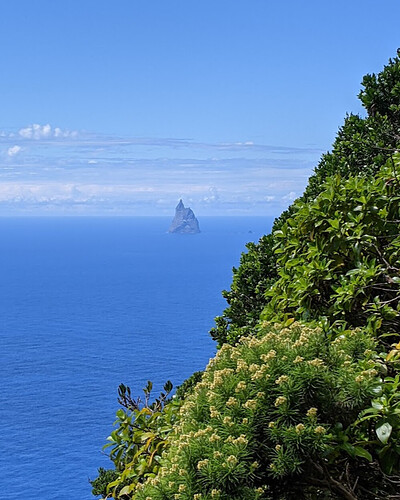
(185, 221)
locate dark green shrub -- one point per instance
(362, 147)
(188, 385)
(339, 256)
(101, 483)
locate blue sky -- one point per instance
(124, 107)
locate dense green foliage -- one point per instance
(100, 484)
(339, 255)
(188, 385)
(302, 400)
(362, 147)
(138, 441)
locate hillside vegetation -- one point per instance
(302, 400)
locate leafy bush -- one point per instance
(188, 385)
(381, 93)
(361, 148)
(382, 421)
(100, 484)
(267, 416)
(138, 442)
(339, 256)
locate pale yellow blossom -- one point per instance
(312, 412)
(241, 440)
(280, 400)
(316, 362)
(241, 386)
(266, 357)
(202, 463)
(241, 366)
(282, 379)
(214, 438)
(251, 404)
(231, 402)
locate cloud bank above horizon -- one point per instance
(54, 171)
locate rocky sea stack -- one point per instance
(185, 221)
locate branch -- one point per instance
(329, 481)
(387, 264)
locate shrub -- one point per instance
(339, 256)
(100, 484)
(267, 416)
(188, 385)
(138, 441)
(362, 146)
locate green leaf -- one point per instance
(288, 322)
(125, 490)
(363, 453)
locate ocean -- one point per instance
(88, 303)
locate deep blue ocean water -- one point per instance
(88, 303)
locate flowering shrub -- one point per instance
(263, 418)
(292, 412)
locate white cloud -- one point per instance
(37, 132)
(269, 198)
(58, 133)
(212, 195)
(13, 150)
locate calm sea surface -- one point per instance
(88, 303)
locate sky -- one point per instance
(123, 107)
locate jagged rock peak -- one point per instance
(185, 221)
